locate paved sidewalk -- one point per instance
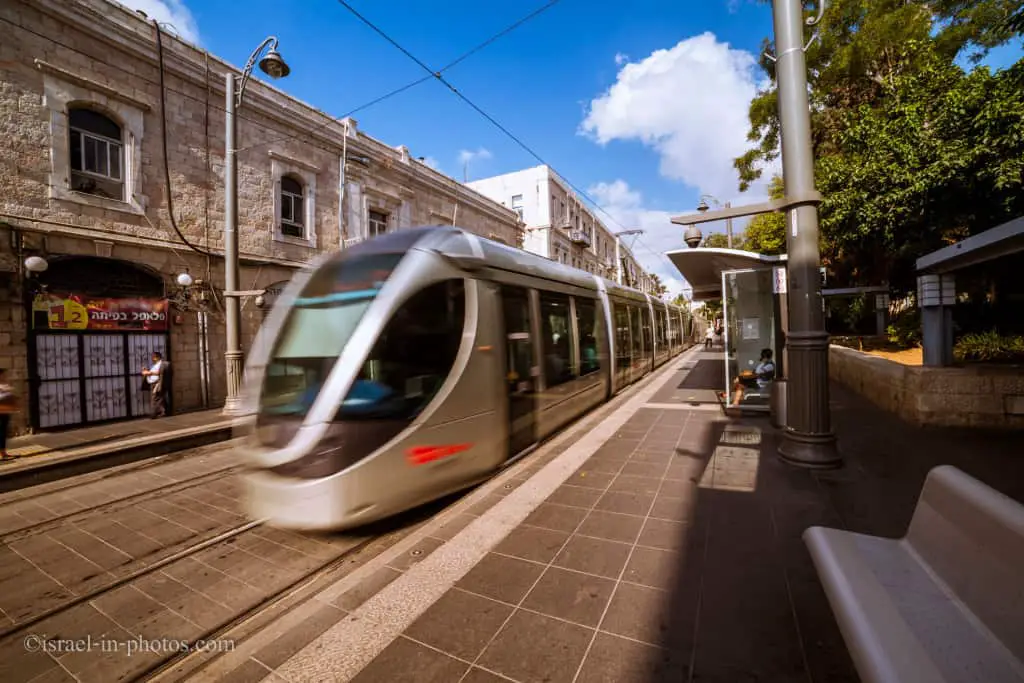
(661, 543)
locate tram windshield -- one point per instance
(320, 324)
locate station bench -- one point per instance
(945, 603)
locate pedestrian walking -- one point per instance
(155, 375)
(8, 406)
(709, 337)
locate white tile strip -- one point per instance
(711, 407)
(351, 644)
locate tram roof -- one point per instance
(703, 267)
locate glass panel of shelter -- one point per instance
(750, 312)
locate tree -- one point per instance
(766, 233)
(658, 288)
(911, 151)
(716, 240)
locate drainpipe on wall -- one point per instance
(341, 186)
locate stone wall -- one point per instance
(57, 55)
(972, 396)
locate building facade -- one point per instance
(87, 189)
(560, 227)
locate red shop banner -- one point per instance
(52, 311)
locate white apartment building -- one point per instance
(560, 227)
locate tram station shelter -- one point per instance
(752, 288)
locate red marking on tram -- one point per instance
(421, 455)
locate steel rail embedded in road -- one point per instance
(127, 578)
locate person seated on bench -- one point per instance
(760, 378)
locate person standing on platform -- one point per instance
(155, 377)
(8, 406)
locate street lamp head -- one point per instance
(185, 280)
(36, 264)
(703, 206)
(273, 65)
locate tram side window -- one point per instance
(659, 329)
(646, 327)
(586, 317)
(412, 358)
(622, 341)
(556, 339)
(636, 325)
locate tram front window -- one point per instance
(322, 320)
(412, 358)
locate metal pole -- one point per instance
(728, 226)
(618, 261)
(233, 353)
(808, 440)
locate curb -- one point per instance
(70, 463)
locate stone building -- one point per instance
(84, 189)
(560, 227)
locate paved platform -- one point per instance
(48, 449)
(656, 541)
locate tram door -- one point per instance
(520, 378)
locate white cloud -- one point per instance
(467, 156)
(690, 103)
(621, 58)
(173, 12)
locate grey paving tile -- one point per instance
(503, 578)
(576, 597)
(298, 637)
(556, 517)
(417, 553)
(19, 663)
(91, 547)
(478, 675)
(616, 660)
(612, 526)
(575, 496)
(594, 556)
(460, 623)
(404, 661)
(532, 543)
(655, 568)
(587, 478)
(249, 671)
(640, 486)
(625, 503)
(640, 613)
(488, 501)
(603, 465)
(453, 526)
(644, 469)
(180, 598)
(354, 597)
(127, 605)
(532, 647)
(667, 535)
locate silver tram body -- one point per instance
(421, 362)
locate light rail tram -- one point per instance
(421, 362)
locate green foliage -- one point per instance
(658, 288)
(912, 152)
(717, 240)
(766, 233)
(990, 347)
(904, 331)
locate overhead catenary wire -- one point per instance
(445, 82)
(432, 74)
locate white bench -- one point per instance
(945, 603)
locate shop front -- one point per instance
(94, 324)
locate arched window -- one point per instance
(97, 154)
(293, 217)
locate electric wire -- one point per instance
(441, 79)
(432, 74)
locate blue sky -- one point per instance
(642, 105)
